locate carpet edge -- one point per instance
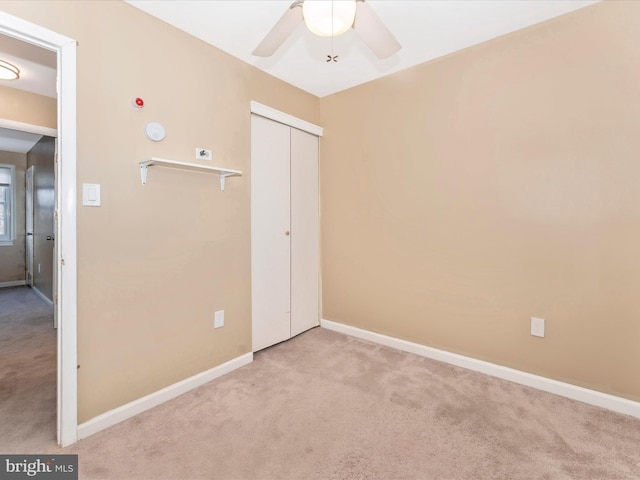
(568, 390)
(131, 409)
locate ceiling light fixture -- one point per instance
(8, 71)
(329, 18)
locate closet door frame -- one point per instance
(298, 124)
(286, 119)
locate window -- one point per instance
(7, 204)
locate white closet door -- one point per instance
(270, 227)
(305, 248)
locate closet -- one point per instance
(284, 230)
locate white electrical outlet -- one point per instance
(537, 327)
(218, 319)
(203, 153)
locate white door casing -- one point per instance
(56, 229)
(66, 307)
(29, 223)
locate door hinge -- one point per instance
(62, 261)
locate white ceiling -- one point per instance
(16, 141)
(37, 74)
(426, 29)
(37, 66)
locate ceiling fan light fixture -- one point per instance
(328, 18)
(8, 71)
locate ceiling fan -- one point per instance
(330, 18)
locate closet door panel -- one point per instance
(305, 248)
(270, 227)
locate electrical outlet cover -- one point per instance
(218, 319)
(203, 153)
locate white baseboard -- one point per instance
(581, 394)
(42, 296)
(15, 283)
(117, 415)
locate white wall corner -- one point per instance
(574, 392)
(131, 409)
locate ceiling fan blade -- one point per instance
(373, 32)
(280, 31)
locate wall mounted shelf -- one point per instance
(161, 162)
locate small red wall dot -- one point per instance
(137, 103)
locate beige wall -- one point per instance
(156, 261)
(464, 196)
(12, 259)
(41, 156)
(459, 199)
(27, 107)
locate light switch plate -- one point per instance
(91, 194)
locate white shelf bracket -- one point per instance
(143, 173)
(223, 178)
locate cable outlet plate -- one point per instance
(203, 153)
(537, 327)
(218, 319)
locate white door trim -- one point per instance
(285, 118)
(65, 234)
(29, 223)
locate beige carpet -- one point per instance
(27, 372)
(328, 406)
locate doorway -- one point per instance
(27, 334)
(285, 249)
(64, 292)
(40, 208)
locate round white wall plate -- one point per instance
(155, 131)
